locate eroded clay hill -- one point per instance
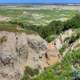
(18, 50)
(51, 56)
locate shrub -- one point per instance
(29, 72)
(72, 23)
(62, 70)
(62, 49)
(3, 39)
(53, 28)
(26, 77)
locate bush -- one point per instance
(62, 70)
(3, 39)
(72, 23)
(74, 38)
(26, 77)
(53, 28)
(62, 49)
(56, 27)
(29, 72)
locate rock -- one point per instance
(51, 56)
(18, 51)
(60, 40)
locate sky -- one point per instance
(39, 1)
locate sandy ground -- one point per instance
(51, 56)
(3, 18)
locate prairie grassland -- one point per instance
(39, 16)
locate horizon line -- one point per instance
(45, 2)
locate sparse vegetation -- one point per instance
(8, 26)
(63, 70)
(73, 23)
(29, 73)
(48, 23)
(3, 39)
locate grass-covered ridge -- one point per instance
(35, 16)
(53, 29)
(49, 32)
(69, 67)
(8, 26)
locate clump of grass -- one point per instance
(29, 73)
(62, 70)
(3, 39)
(10, 27)
(62, 49)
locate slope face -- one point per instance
(18, 50)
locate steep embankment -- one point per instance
(69, 66)
(18, 50)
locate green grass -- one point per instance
(7, 26)
(29, 72)
(10, 12)
(43, 18)
(62, 70)
(3, 39)
(52, 28)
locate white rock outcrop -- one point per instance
(18, 50)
